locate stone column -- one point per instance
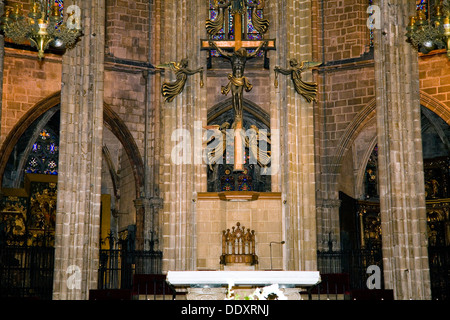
(178, 28)
(147, 207)
(147, 216)
(402, 194)
(141, 205)
(293, 33)
(153, 126)
(80, 159)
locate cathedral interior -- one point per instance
(146, 136)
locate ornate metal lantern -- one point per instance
(432, 32)
(44, 25)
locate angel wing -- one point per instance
(251, 142)
(211, 127)
(262, 157)
(174, 66)
(262, 135)
(309, 64)
(216, 153)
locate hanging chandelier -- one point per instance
(44, 25)
(430, 32)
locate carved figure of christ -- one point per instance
(237, 83)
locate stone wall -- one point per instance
(435, 84)
(214, 215)
(345, 33)
(26, 81)
(346, 90)
(127, 54)
(127, 29)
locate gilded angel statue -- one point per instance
(171, 90)
(307, 89)
(253, 142)
(216, 154)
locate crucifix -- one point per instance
(238, 58)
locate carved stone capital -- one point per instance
(156, 202)
(206, 293)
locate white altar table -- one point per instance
(212, 285)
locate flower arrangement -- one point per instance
(271, 292)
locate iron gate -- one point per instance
(26, 272)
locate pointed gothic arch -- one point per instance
(250, 108)
(361, 121)
(221, 176)
(111, 120)
(436, 106)
(364, 118)
(353, 130)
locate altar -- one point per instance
(213, 285)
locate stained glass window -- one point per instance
(241, 181)
(371, 35)
(227, 32)
(61, 7)
(421, 4)
(371, 175)
(222, 177)
(43, 158)
(237, 181)
(427, 5)
(60, 4)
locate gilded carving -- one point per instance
(238, 246)
(307, 89)
(171, 89)
(237, 81)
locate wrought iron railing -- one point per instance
(352, 263)
(118, 266)
(439, 261)
(26, 271)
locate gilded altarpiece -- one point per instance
(28, 214)
(437, 193)
(27, 233)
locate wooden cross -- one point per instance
(238, 9)
(237, 79)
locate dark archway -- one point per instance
(111, 120)
(221, 176)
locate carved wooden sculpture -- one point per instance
(238, 246)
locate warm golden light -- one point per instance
(42, 27)
(432, 32)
